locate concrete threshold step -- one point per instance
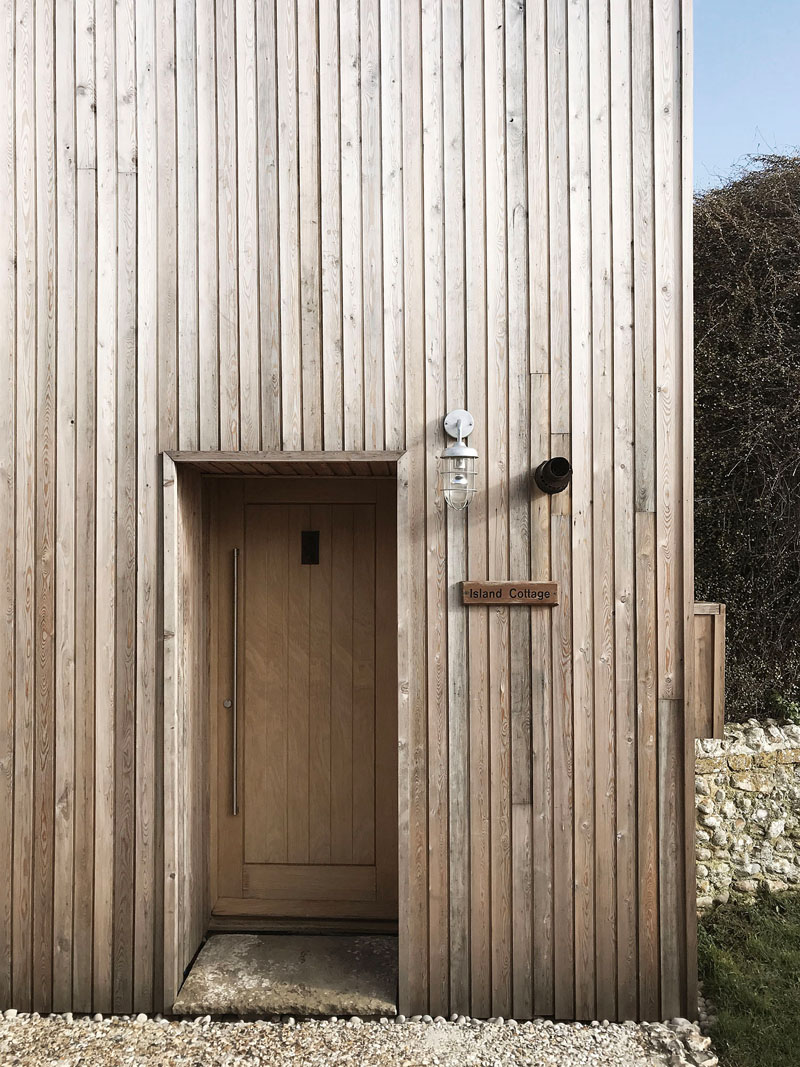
(287, 974)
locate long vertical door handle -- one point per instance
(235, 689)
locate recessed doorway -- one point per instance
(303, 640)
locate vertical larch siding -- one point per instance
(302, 224)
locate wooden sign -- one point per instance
(521, 594)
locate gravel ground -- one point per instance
(61, 1041)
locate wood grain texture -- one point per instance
(413, 924)
(106, 495)
(519, 513)
(148, 487)
(85, 424)
(456, 388)
(7, 494)
(244, 239)
(622, 263)
(127, 307)
(709, 670)
(541, 713)
(65, 519)
(604, 459)
(436, 594)
(477, 559)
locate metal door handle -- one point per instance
(235, 689)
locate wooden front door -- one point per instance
(315, 835)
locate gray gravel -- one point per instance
(64, 1041)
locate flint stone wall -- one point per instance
(748, 811)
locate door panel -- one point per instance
(317, 711)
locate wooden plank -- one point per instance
(288, 457)
(171, 755)
(519, 465)
(435, 529)
(65, 519)
(603, 531)
(309, 117)
(709, 609)
(644, 503)
(44, 590)
(624, 488)
(320, 644)
(386, 724)
(669, 504)
(412, 711)
(147, 510)
(268, 215)
(291, 490)
(207, 267)
(331, 227)
(276, 766)
(364, 690)
(106, 480)
(477, 559)
(85, 385)
(264, 538)
(193, 704)
(25, 504)
(497, 505)
(563, 817)
(558, 200)
(582, 509)
(542, 719)
(227, 215)
(647, 767)
(188, 275)
(126, 521)
(563, 766)
(341, 684)
(7, 495)
(671, 801)
(392, 219)
(257, 924)
(541, 624)
(718, 716)
(704, 675)
(308, 881)
(371, 228)
(289, 225)
(351, 222)
(456, 526)
(246, 135)
(643, 254)
(666, 128)
(686, 412)
(212, 496)
(298, 694)
(305, 910)
(167, 228)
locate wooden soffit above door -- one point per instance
(292, 464)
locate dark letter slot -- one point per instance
(309, 547)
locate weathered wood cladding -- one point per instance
(306, 225)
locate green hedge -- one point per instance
(747, 428)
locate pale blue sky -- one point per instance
(746, 83)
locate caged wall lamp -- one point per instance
(458, 473)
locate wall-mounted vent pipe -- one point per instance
(553, 475)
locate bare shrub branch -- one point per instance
(747, 427)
